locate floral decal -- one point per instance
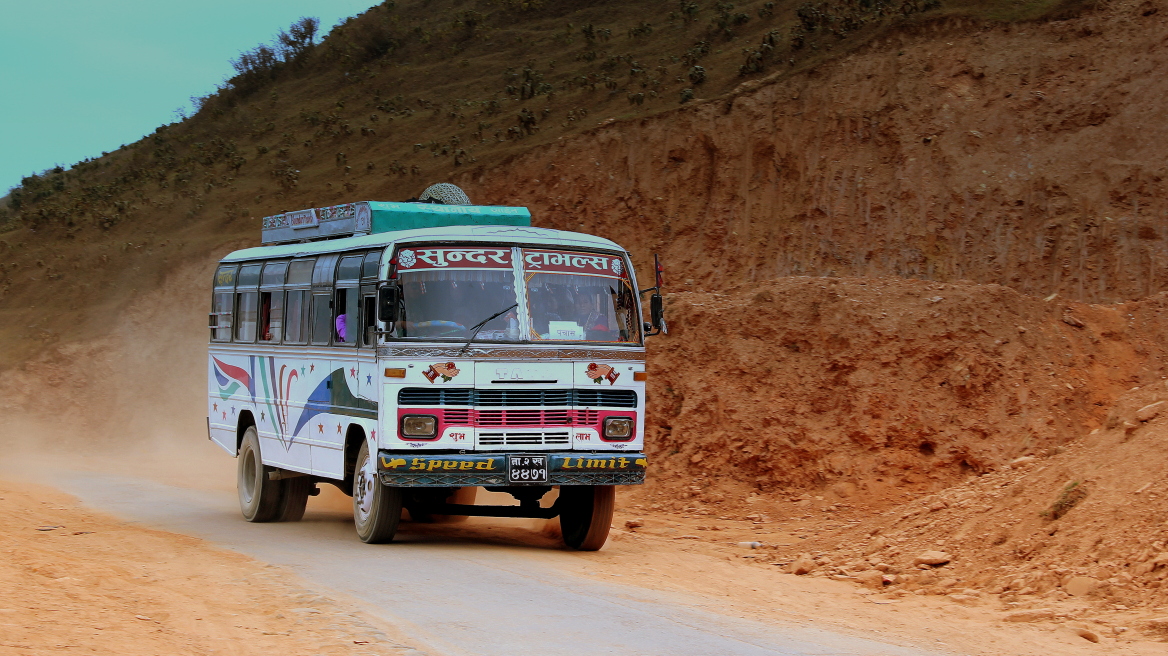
(446, 370)
(601, 372)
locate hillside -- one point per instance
(812, 167)
(415, 92)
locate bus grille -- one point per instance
(531, 417)
(446, 396)
(524, 418)
(509, 438)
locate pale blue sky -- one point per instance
(78, 77)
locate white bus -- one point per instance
(411, 353)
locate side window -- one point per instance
(322, 318)
(221, 311)
(297, 317)
(370, 265)
(369, 320)
(350, 268)
(345, 320)
(247, 300)
(272, 301)
(296, 313)
(246, 313)
(271, 315)
(223, 302)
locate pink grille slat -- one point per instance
(502, 418)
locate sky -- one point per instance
(79, 77)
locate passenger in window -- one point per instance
(340, 324)
(266, 317)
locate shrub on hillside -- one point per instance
(256, 67)
(298, 40)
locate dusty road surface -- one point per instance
(78, 582)
(485, 587)
(478, 589)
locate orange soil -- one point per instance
(1025, 155)
(83, 582)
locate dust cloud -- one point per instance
(130, 402)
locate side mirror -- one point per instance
(656, 303)
(657, 314)
(387, 300)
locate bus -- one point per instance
(412, 353)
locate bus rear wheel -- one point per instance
(376, 507)
(586, 515)
(260, 498)
(295, 501)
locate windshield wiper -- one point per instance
(474, 330)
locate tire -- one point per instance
(376, 507)
(461, 496)
(260, 499)
(296, 491)
(586, 515)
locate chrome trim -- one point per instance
(482, 353)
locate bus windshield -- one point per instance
(564, 296)
(447, 292)
(579, 297)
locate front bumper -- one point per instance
(398, 469)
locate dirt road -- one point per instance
(474, 590)
(80, 582)
(485, 587)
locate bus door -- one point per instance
(367, 329)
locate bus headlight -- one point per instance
(419, 426)
(618, 428)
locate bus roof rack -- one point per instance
(370, 216)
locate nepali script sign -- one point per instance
(415, 259)
(594, 264)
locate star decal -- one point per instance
(338, 429)
(320, 428)
(369, 379)
(261, 415)
(312, 367)
(225, 414)
(301, 371)
(352, 372)
(215, 407)
(232, 411)
(373, 435)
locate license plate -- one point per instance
(527, 469)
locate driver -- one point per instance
(584, 313)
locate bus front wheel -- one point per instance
(376, 507)
(260, 498)
(586, 515)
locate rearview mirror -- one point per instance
(657, 313)
(387, 300)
